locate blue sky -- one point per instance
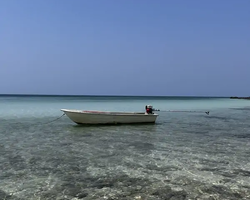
(125, 47)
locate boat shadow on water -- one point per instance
(78, 125)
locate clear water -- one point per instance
(183, 156)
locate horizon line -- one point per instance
(110, 95)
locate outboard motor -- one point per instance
(149, 109)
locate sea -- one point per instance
(186, 154)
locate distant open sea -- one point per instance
(185, 155)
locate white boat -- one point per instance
(105, 117)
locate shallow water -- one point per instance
(183, 156)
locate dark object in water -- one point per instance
(248, 98)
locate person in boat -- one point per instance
(149, 109)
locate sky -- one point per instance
(125, 47)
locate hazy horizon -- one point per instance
(109, 95)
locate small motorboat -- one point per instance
(106, 117)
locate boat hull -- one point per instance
(95, 117)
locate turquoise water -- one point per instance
(183, 156)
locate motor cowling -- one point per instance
(149, 109)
